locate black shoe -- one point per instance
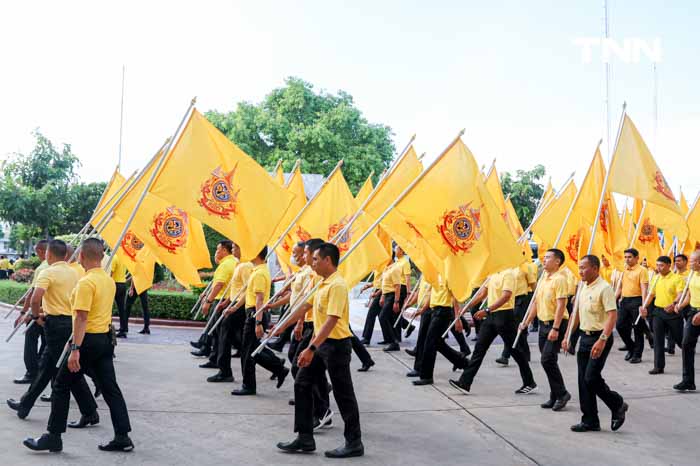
(392, 347)
(475, 337)
(655, 371)
(365, 367)
(97, 393)
(196, 344)
(364, 342)
(619, 417)
(623, 348)
(119, 443)
(243, 391)
(145, 331)
(219, 377)
(671, 351)
(502, 361)
(410, 330)
(50, 442)
(45, 398)
(17, 406)
(420, 382)
(572, 351)
(85, 421)
(466, 350)
(26, 379)
(208, 365)
(549, 404)
(581, 427)
(347, 451)
(273, 377)
(237, 355)
(410, 352)
(303, 443)
(325, 421)
(383, 342)
(292, 402)
(413, 373)
(281, 376)
(121, 334)
(202, 353)
(635, 360)
(463, 363)
(525, 389)
(561, 402)
(628, 356)
(684, 386)
(460, 386)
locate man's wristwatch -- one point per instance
(487, 310)
(603, 337)
(74, 347)
(312, 348)
(556, 329)
(258, 322)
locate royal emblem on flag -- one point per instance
(343, 241)
(604, 217)
(461, 228)
(171, 228)
(302, 234)
(218, 195)
(572, 246)
(648, 232)
(661, 186)
(131, 245)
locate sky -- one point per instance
(508, 72)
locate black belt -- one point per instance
(547, 322)
(591, 332)
(60, 317)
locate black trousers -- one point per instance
(33, 339)
(96, 357)
(440, 320)
(425, 320)
(58, 329)
(359, 349)
(387, 317)
(266, 358)
(591, 384)
(334, 356)
(143, 297)
(372, 314)
(690, 341)
(663, 321)
(631, 335)
(575, 334)
(120, 299)
(319, 387)
(229, 335)
(521, 304)
(549, 358)
(503, 324)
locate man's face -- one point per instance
(681, 263)
(695, 261)
(663, 268)
(236, 251)
(587, 271)
(605, 260)
(40, 252)
(298, 254)
(630, 259)
(309, 258)
(550, 262)
(320, 264)
(220, 253)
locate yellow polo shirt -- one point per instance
(606, 273)
(224, 273)
(523, 277)
(241, 274)
(4, 264)
(405, 269)
(423, 290)
(694, 290)
(78, 269)
(118, 270)
(94, 294)
(58, 280)
(632, 280)
(440, 295)
(666, 289)
(571, 280)
(377, 279)
(331, 299)
(596, 300)
(498, 283)
(552, 287)
(299, 285)
(259, 282)
(391, 277)
(531, 268)
(38, 270)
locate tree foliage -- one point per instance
(525, 191)
(296, 122)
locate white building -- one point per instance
(5, 249)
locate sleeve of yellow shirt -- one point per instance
(43, 280)
(608, 298)
(508, 282)
(337, 301)
(561, 288)
(84, 293)
(530, 273)
(396, 276)
(258, 284)
(643, 278)
(406, 268)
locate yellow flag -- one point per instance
(453, 211)
(382, 235)
(634, 172)
(217, 183)
(513, 219)
(284, 250)
(365, 190)
(693, 219)
(115, 186)
(611, 233)
(328, 215)
(683, 204)
(493, 185)
(279, 175)
(546, 196)
(646, 237)
(546, 226)
(669, 222)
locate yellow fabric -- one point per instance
(43, 265)
(451, 209)
(513, 221)
(683, 204)
(204, 162)
(693, 220)
(224, 273)
(241, 275)
(133, 253)
(634, 172)
(571, 280)
(552, 288)
(115, 186)
(694, 290)
(646, 238)
(627, 224)
(58, 281)
(666, 288)
(364, 191)
(78, 269)
(279, 175)
(391, 277)
(546, 226)
(94, 294)
(606, 273)
(284, 251)
(423, 289)
(331, 299)
(440, 295)
(531, 275)
(301, 285)
(595, 301)
(522, 277)
(405, 269)
(259, 282)
(498, 284)
(118, 270)
(670, 222)
(327, 215)
(377, 278)
(547, 195)
(4, 264)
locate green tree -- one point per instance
(525, 191)
(296, 122)
(79, 204)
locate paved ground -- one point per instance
(179, 419)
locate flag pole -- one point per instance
(277, 166)
(491, 168)
(410, 297)
(639, 224)
(544, 207)
(296, 165)
(539, 203)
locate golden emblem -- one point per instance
(343, 241)
(648, 232)
(461, 228)
(171, 228)
(572, 246)
(661, 186)
(218, 196)
(302, 234)
(131, 245)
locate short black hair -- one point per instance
(664, 260)
(226, 244)
(58, 248)
(330, 250)
(42, 244)
(632, 251)
(301, 244)
(681, 256)
(92, 248)
(559, 254)
(263, 254)
(314, 243)
(592, 259)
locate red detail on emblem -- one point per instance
(572, 246)
(343, 242)
(648, 233)
(415, 230)
(604, 217)
(661, 186)
(218, 196)
(461, 228)
(171, 228)
(131, 245)
(302, 234)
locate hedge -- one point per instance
(162, 304)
